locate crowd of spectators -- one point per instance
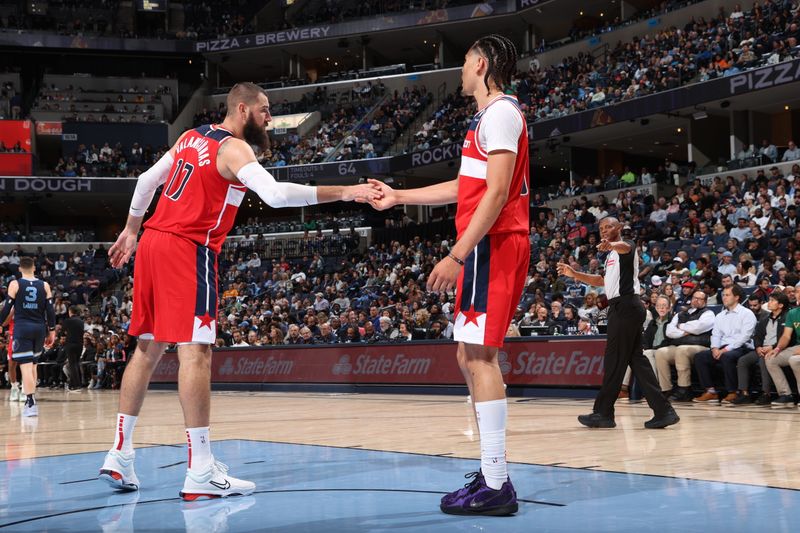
(394, 116)
(341, 113)
(17, 148)
(82, 279)
(730, 244)
(332, 12)
(699, 51)
(207, 19)
(108, 161)
(65, 17)
(80, 105)
(338, 121)
(214, 19)
(16, 233)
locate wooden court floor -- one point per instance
(750, 445)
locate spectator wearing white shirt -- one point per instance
(598, 98)
(61, 264)
(731, 339)
(254, 262)
(320, 303)
(791, 153)
(238, 340)
(761, 219)
(742, 231)
(727, 268)
(689, 333)
(780, 194)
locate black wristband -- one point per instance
(456, 259)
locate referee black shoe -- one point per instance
(667, 419)
(596, 420)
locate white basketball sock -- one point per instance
(199, 443)
(123, 436)
(492, 426)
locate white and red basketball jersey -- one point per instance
(498, 126)
(197, 202)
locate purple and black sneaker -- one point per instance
(477, 479)
(480, 499)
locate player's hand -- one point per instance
(50, 340)
(361, 193)
(122, 250)
(565, 270)
(604, 246)
(444, 275)
(388, 198)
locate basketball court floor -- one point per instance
(369, 462)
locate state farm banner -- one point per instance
(571, 363)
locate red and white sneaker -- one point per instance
(214, 482)
(118, 472)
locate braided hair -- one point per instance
(501, 55)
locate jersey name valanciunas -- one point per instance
(197, 203)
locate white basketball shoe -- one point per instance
(118, 472)
(214, 482)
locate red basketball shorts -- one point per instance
(489, 288)
(174, 290)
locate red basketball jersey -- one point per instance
(197, 203)
(472, 175)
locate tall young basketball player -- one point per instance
(206, 175)
(34, 321)
(489, 261)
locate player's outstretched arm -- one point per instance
(439, 194)
(237, 162)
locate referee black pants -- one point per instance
(73, 360)
(623, 349)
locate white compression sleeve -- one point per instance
(275, 193)
(147, 184)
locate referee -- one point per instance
(625, 322)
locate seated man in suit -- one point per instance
(689, 332)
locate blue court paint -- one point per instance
(319, 488)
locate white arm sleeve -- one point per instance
(275, 193)
(147, 184)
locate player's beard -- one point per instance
(256, 135)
